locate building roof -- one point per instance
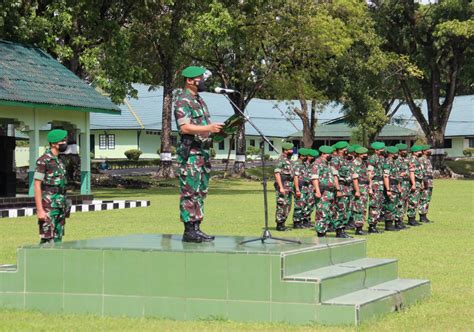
(31, 77)
(342, 130)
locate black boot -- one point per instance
(190, 234)
(297, 224)
(359, 231)
(282, 228)
(424, 218)
(351, 224)
(330, 228)
(321, 234)
(341, 233)
(308, 224)
(389, 226)
(373, 229)
(204, 236)
(412, 222)
(399, 224)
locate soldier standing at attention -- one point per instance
(403, 164)
(362, 181)
(285, 179)
(416, 181)
(325, 184)
(311, 200)
(377, 197)
(342, 166)
(299, 167)
(50, 189)
(392, 188)
(427, 184)
(194, 166)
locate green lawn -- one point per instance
(441, 252)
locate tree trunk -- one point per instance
(166, 166)
(240, 144)
(436, 140)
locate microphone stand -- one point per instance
(266, 232)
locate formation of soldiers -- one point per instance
(348, 188)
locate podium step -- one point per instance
(364, 304)
(339, 279)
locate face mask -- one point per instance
(201, 85)
(395, 157)
(349, 157)
(365, 157)
(404, 154)
(62, 147)
(328, 158)
(289, 155)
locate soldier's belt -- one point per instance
(345, 182)
(326, 188)
(377, 178)
(285, 177)
(393, 182)
(363, 182)
(53, 189)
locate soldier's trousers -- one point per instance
(390, 206)
(283, 203)
(310, 204)
(52, 229)
(359, 205)
(193, 187)
(325, 211)
(425, 200)
(414, 201)
(403, 199)
(299, 209)
(343, 209)
(376, 203)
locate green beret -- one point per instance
(426, 147)
(401, 146)
(341, 145)
(377, 145)
(303, 152)
(193, 71)
(326, 149)
(313, 153)
(416, 148)
(392, 150)
(287, 146)
(361, 150)
(56, 135)
(350, 149)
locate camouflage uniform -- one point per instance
(193, 156)
(325, 174)
(285, 168)
(391, 203)
(428, 185)
(50, 170)
(342, 207)
(414, 196)
(300, 203)
(308, 190)
(361, 171)
(404, 173)
(377, 197)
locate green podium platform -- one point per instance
(330, 281)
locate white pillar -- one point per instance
(34, 151)
(84, 152)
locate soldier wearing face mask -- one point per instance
(377, 196)
(286, 184)
(403, 165)
(416, 181)
(427, 184)
(50, 189)
(340, 163)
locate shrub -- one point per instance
(212, 151)
(92, 155)
(252, 151)
(133, 154)
(266, 156)
(468, 152)
(173, 150)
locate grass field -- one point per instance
(441, 252)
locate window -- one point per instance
(106, 142)
(448, 143)
(252, 142)
(471, 142)
(221, 145)
(270, 148)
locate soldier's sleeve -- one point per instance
(40, 169)
(355, 173)
(334, 171)
(411, 165)
(386, 169)
(182, 112)
(315, 173)
(278, 167)
(296, 170)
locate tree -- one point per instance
(237, 41)
(88, 37)
(438, 39)
(159, 38)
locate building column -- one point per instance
(84, 151)
(34, 152)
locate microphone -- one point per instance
(222, 90)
